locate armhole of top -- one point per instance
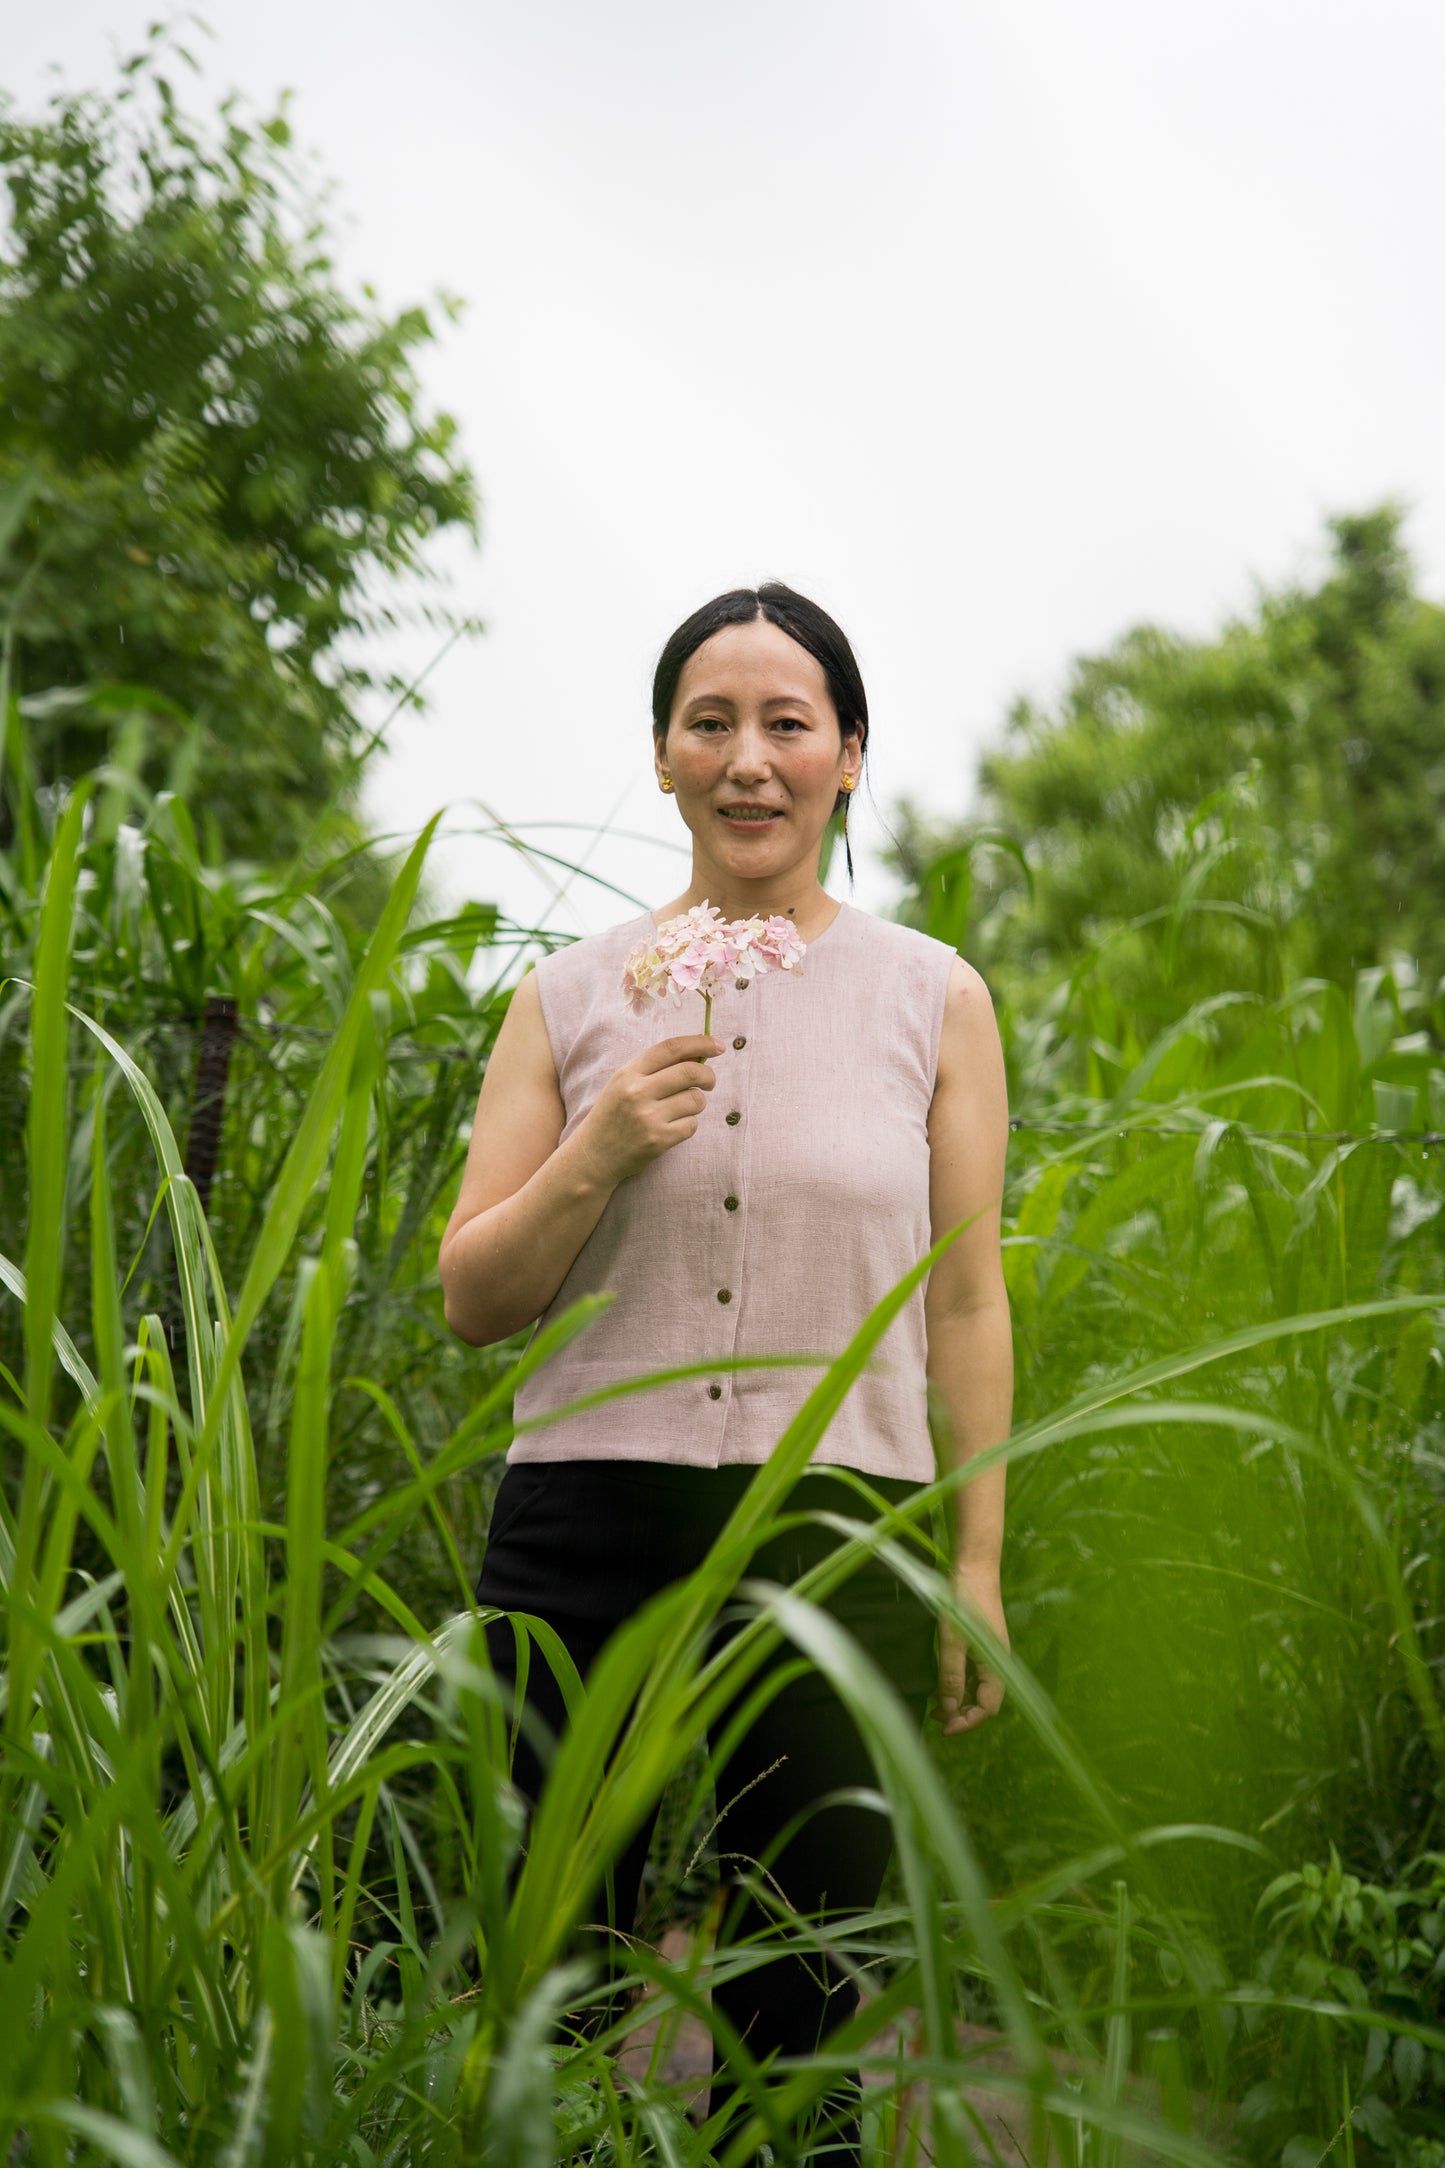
(543, 978)
(940, 1006)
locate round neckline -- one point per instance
(649, 919)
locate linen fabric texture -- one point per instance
(799, 1202)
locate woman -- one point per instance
(750, 1192)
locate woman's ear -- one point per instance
(853, 754)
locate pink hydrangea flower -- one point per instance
(700, 951)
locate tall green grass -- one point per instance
(1250, 1622)
(257, 1834)
(156, 933)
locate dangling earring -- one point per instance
(666, 784)
(847, 787)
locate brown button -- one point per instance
(733, 1120)
(738, 1045)
(741, 985)
(730, 1204)
(714, 1392)
(724, 1294)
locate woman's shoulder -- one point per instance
(573, 979)
(897, 944)
(582, 958)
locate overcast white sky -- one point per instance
(996, 328)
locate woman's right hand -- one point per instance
(652, 1103)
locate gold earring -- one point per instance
(665, 783)
(848, 783)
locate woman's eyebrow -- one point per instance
(722, 700)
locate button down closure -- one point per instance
(733, 1119)
(658, 1257)
(738, 1045)
(741, 985)
(724, 1294)
(714, 1392)
(730, 1204)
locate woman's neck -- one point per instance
(804, 901)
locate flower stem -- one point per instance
(706, 1014)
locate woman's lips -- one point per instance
(750, 816)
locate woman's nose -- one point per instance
(749, 756)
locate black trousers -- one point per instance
(583, 1544)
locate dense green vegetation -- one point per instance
(241, 1527)
(1224, 1020)
(255, 1819)
(1271, 799)
(214, 465)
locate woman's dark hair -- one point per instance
(803, 621)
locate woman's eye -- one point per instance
(714, 723)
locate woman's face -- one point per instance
(754, 751)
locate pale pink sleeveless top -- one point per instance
(801, 1199)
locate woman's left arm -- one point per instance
(970, 1339)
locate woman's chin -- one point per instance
(753, 861)
(759, 848)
